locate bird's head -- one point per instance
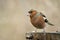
(32, 12)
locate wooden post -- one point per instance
(41, 36)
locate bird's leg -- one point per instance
(36, 30)
(57, 29)
(44, 31)
(44, 34)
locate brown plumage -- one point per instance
(37, 20)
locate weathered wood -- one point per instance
(41, 36)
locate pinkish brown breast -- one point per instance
(38, 22)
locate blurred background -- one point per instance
(14, 22)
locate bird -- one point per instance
(38, 19)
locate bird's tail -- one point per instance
(50, 24)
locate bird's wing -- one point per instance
(42, 14)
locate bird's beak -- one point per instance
(28, 15)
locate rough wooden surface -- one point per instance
(42, 36)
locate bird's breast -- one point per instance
(38, 22)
